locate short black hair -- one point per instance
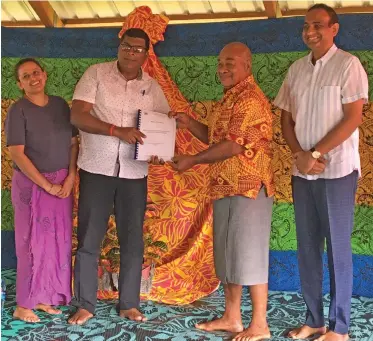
(137, 33)
(331, 12)
(24, 61)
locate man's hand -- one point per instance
(306, 164)
(319, 166)
(154, 160)
(304, 161)
(181, 163)
(129, 135)
(67, 186)
(182, 119)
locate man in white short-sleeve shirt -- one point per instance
(105, 106)
(322, 100)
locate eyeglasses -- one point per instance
(35, 73)
(136, 49)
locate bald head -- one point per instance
(238, 49)
(234, 64)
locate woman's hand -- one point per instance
(53, 189)
(67, 186)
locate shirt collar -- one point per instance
(324, 59)
(139, 77)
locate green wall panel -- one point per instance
(195, 76)
(283, 236)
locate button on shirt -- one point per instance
(314, 95)
(116, 101)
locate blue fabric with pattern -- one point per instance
(168, 322)
(263, 36)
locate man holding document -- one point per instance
(160, 133)
(239, 135)
(105, 108)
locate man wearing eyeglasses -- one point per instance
(105, 105)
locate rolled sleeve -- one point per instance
(86, 88)
(282, 99)
(354, 82)
(15, 127)
(250, 122)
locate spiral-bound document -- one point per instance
(160, 131)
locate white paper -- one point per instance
(160, 131)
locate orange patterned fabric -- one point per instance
(244, 116)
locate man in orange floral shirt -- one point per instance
(239, 135)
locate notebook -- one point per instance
(160, 131)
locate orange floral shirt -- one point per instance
(244, 116)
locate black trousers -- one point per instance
(98, 193)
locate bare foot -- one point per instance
(305, 331)
(224, 323)
(133, 314)
(48, 309)
(80, 317)
(332, 336)
(254, 333)
(26, 315)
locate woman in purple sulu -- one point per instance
(44, 147)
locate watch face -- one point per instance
(316, 154)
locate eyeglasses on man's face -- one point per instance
(135, 49)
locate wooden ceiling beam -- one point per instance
(93, 21)
(46, 13)
(272, 9)
(22, 23)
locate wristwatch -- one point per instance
(315, 154)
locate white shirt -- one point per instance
(117, 101)
(314, 95)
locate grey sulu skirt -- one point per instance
(241, 233)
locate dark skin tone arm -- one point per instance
(218, 152)
(82, 119)
(198, 129)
